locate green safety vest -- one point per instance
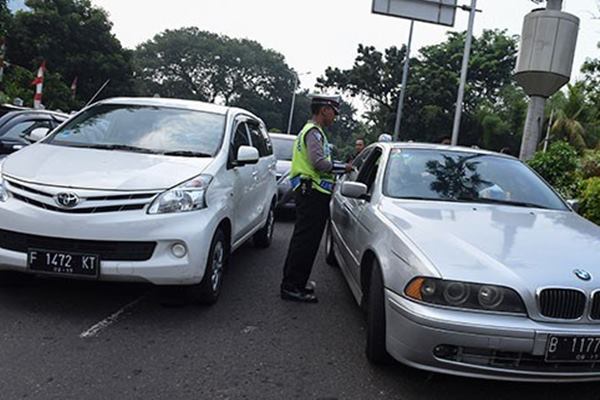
(302, 167)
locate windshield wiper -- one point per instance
(125, 147)
(504, 202)
(185, 153)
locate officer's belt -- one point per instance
(297, 181)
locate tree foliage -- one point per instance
(433, 85)
(75, 39)
(559, 167)
(193, 64)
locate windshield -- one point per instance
(282, 148)
(458, 176)
(148, 129)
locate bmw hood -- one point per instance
(513, 246)
(100, 169)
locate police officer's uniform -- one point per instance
(312, 191)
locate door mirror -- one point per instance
(247, 155)
(574, 204)
(354, 190)
(37, 134)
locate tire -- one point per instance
(263, 238)
(208, 290)
(376, 349)
(329, 250)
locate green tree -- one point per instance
(75, 39)
(573, 117)
(432, 85)
(559, 167)
(5, 18)
(193, 64)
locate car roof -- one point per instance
(441, 147)
(25, 114)
(173, 103)
(284, 136)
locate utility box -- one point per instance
(547, 50)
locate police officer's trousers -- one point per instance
(312, 213)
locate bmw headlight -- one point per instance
(188, 196)
(465, 295)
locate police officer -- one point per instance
(312, 178)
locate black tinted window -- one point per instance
(240, 138)
(258, 140)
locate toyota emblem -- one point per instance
(67, 200)
(583, 275)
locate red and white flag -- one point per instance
(74, 87)
(39, 86)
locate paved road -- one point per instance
(250, 345)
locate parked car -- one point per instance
(283, 145)
(152, 190)
(19, 128)
(468, 263)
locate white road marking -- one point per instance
(108, 321)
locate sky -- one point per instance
(315, 34)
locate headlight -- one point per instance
(465, 295)
(189, 196)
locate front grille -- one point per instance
(107, 250)
(562, 303)
(511, 360)
(595, 313)
(101, 203)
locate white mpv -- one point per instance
(149, 190)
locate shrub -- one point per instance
(590, 200)
(590, 164)
(559, 167)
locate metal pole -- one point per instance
(533, 127)
(548, 130)
(554, 5)
(404, 81)
(289, 130)
(463, 74)
(97, 93)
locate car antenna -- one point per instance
(98, 92)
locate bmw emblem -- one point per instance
(583, 275)
(67, 200)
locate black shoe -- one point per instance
(298, 295)
(310, 287)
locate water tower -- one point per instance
(544, 65)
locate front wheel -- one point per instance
(263, 238)
(329, 250)
(208, 290)
(376, 331)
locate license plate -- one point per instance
(573, 349)
(64, 263)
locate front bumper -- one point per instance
(194, 230)
(491, 346)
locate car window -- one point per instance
(240, 138)
(153, 128)
(283, 148)
(369, 168)
(22, 129)
(465, 177)
(258, 140)
(358, 162)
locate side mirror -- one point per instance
(37, 134)
(354, 190)
(247, 155)
(574, 204)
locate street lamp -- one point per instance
(296, 76)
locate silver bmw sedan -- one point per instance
(466, 262)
